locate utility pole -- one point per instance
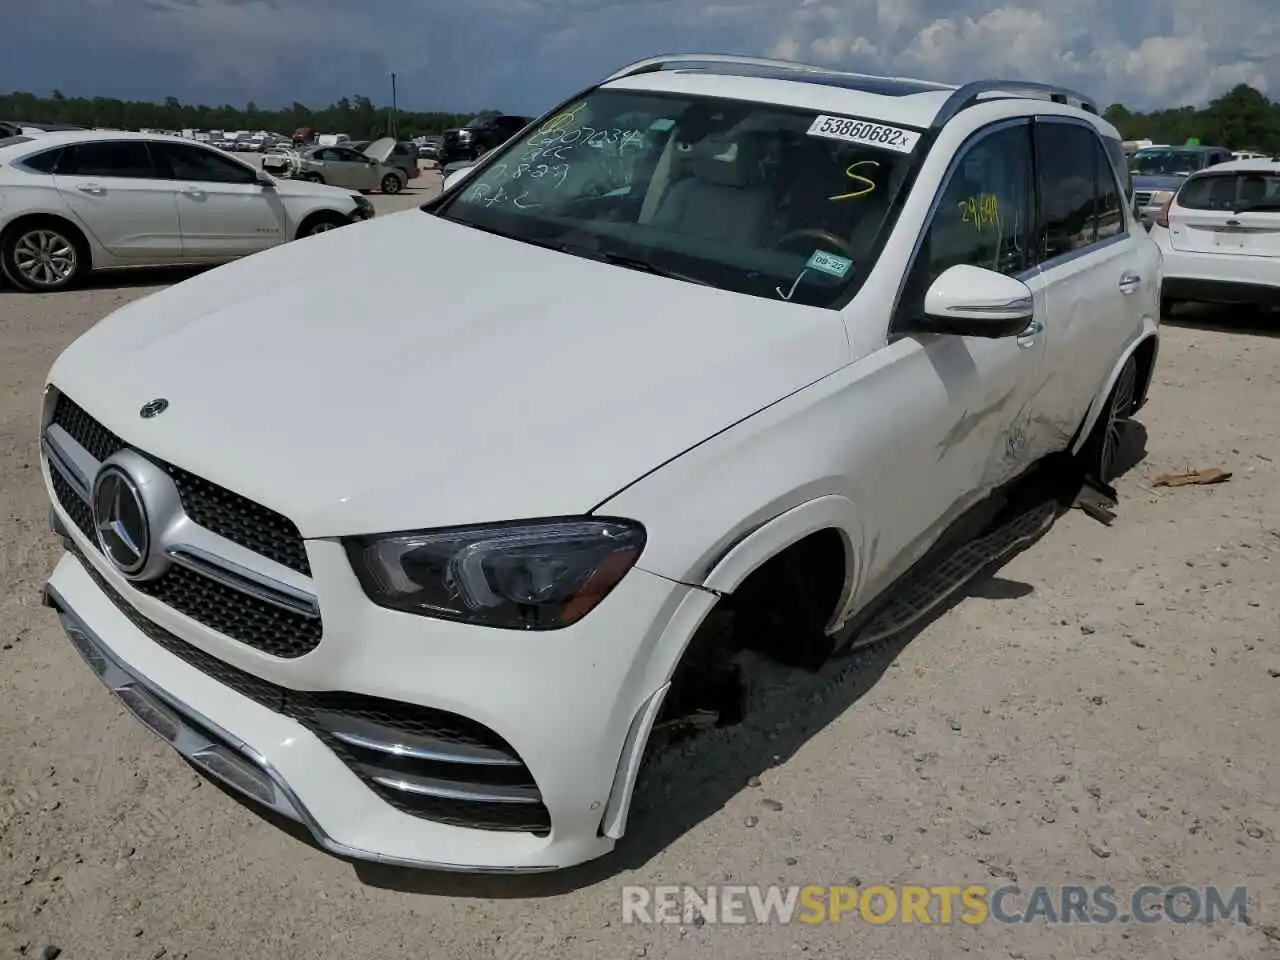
(394, 118)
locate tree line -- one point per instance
(355, 116)
(1241, 119)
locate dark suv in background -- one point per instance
(480, 135)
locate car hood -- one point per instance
(380, 149)
(1157, 183)
(310, 378)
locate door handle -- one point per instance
(194, 192)
(1129, 282)
(1027, 337)
(93, 188)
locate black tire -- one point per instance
(43, 255)
(1098, 455)
(392, 184)
(319, 223)
(312, 178)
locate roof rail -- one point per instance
(653, 64)
(979, 90)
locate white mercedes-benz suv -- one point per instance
(736, 353)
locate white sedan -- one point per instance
(1220, 236)
(77, 201)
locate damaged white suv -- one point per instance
(722, 334)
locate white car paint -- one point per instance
(729, 426)
(186, 218)
(1222, 255)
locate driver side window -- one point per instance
(984, 215)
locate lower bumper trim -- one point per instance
(211, 748)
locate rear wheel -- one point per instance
(391, 183)
(43, 256)
(1101, 451)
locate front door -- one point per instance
(114, 189)
(963, 406)
(223, 210)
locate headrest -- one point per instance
(728, 163)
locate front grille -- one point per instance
(241, 616)
(1142, 198)
(326, 712)
(215, 508)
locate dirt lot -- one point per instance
(1103, 711)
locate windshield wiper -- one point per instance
(631, 263)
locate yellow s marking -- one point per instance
(867, 185)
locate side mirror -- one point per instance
(456, 177)
(969, 301)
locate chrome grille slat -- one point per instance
(221, 583)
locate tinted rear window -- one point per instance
(1229, 191)
(44, 162)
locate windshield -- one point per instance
(758, 199)
(1166, 163)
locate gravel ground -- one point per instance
(1103, 710)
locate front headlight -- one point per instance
(364, 206)
(1159, 197)
(531, 575)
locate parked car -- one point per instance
(343, 167)
(742, 380)
(80, 201)
(1159, 171)
(395, 153)
(429, 148)
(480, 135)
(1220, 236)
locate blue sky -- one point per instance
(523, 55)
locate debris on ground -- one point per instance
(1187, 478)
(1098, 500)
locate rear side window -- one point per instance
(1230, 191)
(1080, 199)
(1115, 151)
(119, 158)
(45, 162)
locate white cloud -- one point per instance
(481, 52)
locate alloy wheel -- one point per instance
(45, 258)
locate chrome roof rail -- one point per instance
(653, 64)
(980, 91)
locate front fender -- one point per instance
(1150, 332)
(772, 537)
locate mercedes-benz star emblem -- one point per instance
(153, 408)
(120, 518)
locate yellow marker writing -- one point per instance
(868, 185)
(560, 121)
(982, 211)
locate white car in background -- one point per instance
(80, 201)
(1220, 236)
(802, 352)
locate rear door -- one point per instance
(1231, 213)
(1100, 270)
(114, 189)
(223, 210)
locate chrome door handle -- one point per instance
(1129, 282)
(1028, 336)
(193, 192)
(90, 188)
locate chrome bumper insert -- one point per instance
(212, 749)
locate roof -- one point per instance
(1256, 165)
(1179, 147)
(61, 138)
(907, 100)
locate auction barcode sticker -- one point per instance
(864, 132)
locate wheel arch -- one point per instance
(326, 213)
(1144, 350)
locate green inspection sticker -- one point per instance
(829, 263)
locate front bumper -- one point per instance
(575, 707)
